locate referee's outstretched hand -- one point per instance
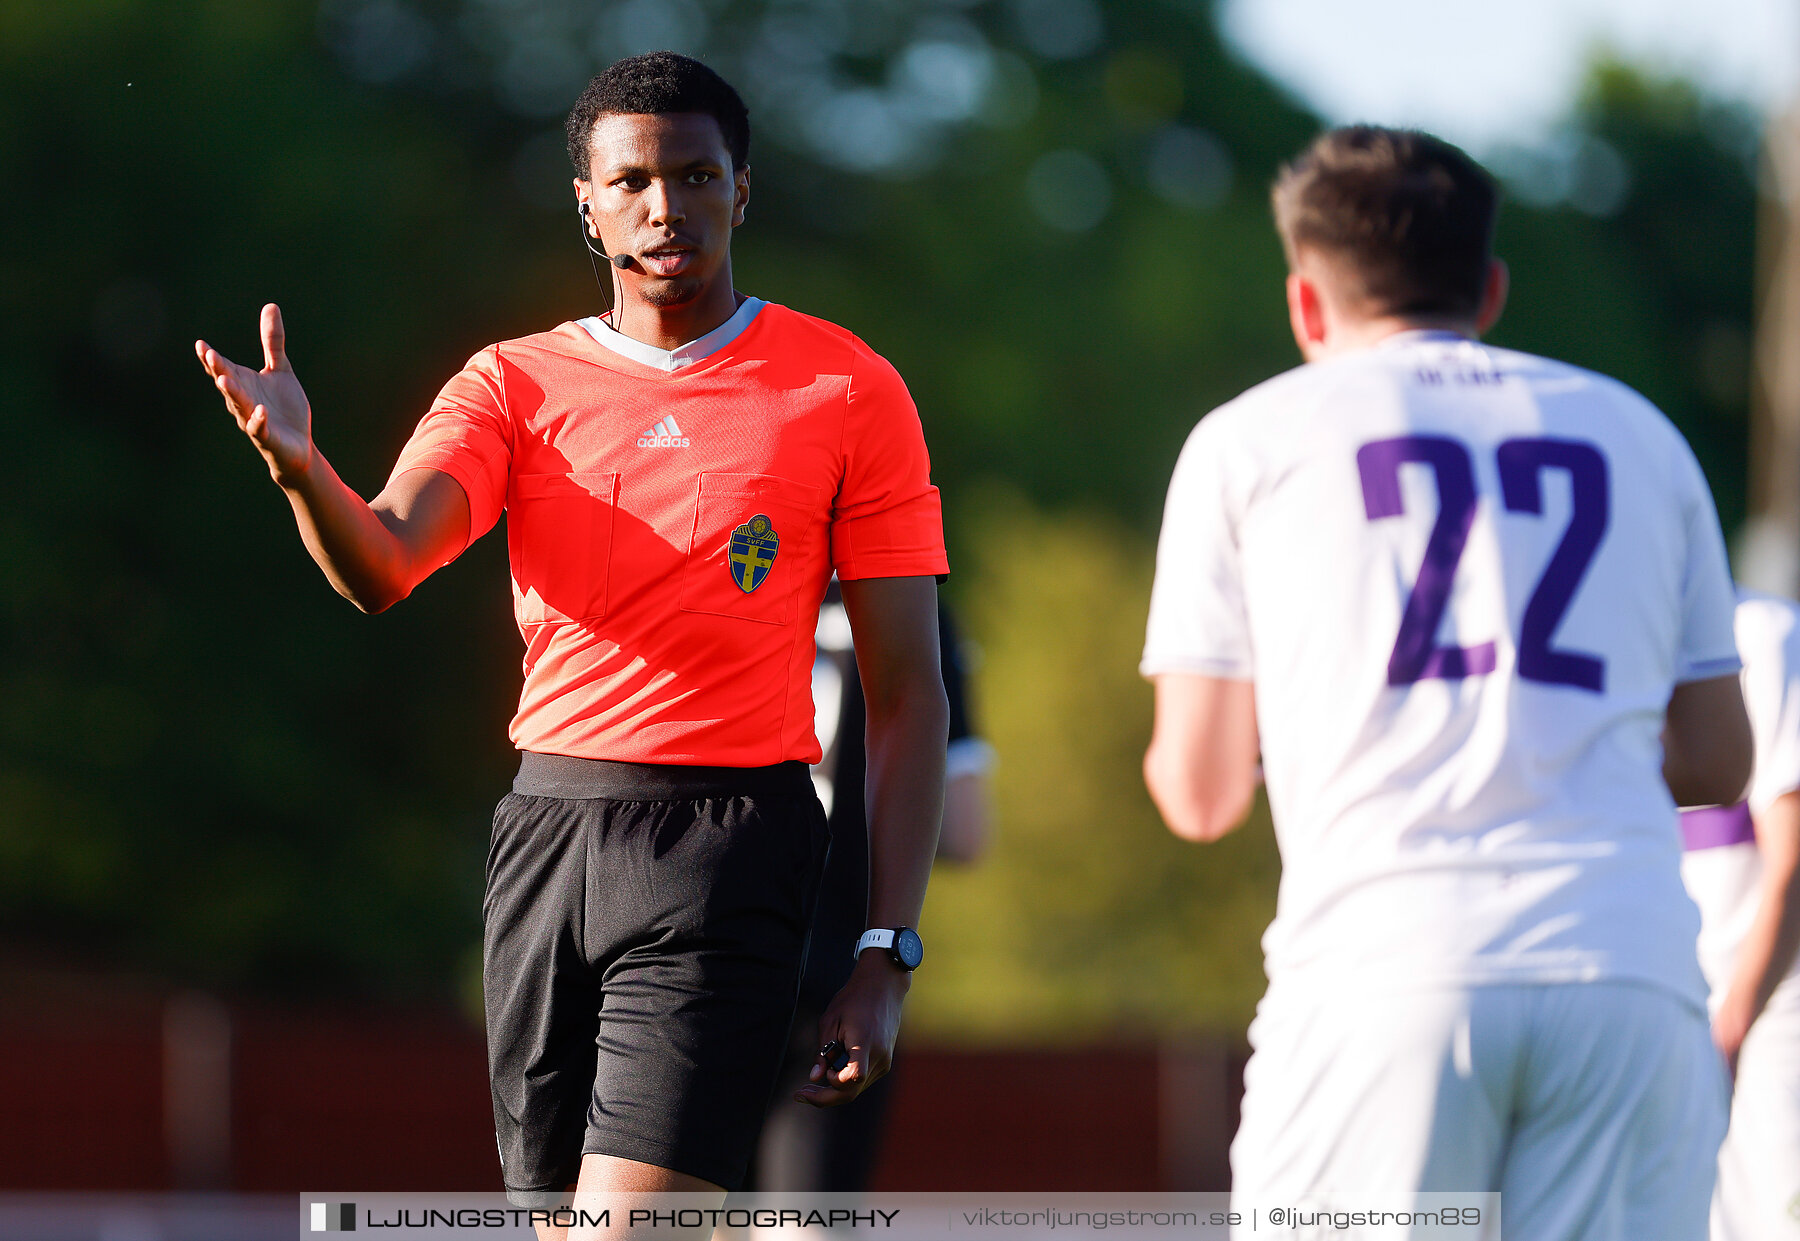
(269, 405)
(865, 1018)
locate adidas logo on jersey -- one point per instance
(664, 434)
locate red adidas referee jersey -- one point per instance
(672, 533)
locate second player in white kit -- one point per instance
(1457, 595)
(1740, 867)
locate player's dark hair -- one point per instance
(1412, 215)
(658, 82)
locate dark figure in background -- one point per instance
(834, 1150)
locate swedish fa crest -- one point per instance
(752, 552)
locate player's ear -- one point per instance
(741, 194)
(1306, 314)
(1493, 296)
(584, 202)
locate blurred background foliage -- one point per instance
(1049, 213)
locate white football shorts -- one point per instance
(1595, 1109)
(1759, 1165)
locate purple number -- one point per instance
(1521, 461)
(1416, 655)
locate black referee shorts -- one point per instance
(645, 929)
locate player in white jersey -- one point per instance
(1455, 595)
(1742, 867)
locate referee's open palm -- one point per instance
(269, 405)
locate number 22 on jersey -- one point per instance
(1416, 655)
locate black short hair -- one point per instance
(659, 82)
(1410, 214)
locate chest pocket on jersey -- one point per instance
(738, 565)
(559, 535)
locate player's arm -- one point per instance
(894, 621)
(372, 553)
(1201, 764)
(1773, 941)
(964, 835)
(1707, 748)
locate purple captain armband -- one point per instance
(1713, 826)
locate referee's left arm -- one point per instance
(895, 624)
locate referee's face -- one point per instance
(664, 192)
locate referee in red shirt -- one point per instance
(682, 478)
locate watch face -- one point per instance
(909, 948)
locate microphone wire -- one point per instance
(608, 289)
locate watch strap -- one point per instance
(883, 938)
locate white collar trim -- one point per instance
(697, 350)
(1423, 335)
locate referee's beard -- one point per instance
(672, 291)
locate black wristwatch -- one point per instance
(902, 944)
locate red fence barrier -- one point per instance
(153, 1093)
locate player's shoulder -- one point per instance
(566, 342)
(1249, 410)
(834, 350)
(567, 339)
(1765, 622)
(1234, 441)
(799, 326)
(788, 329)
(1553, 376)
(1556, 384)
(1277, 410)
